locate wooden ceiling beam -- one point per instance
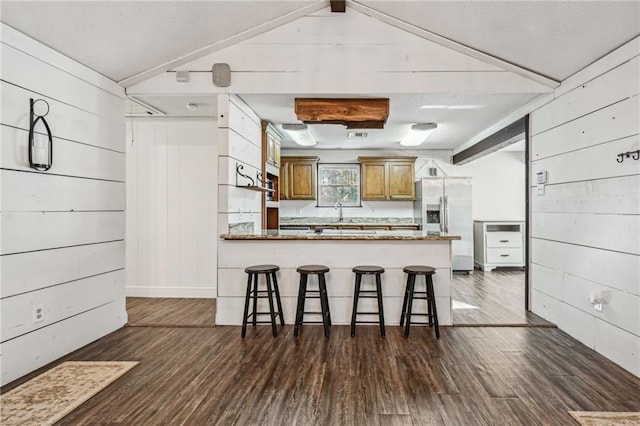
(338, 6)
(366, 113)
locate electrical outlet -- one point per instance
(540, 189)
(38, 313)
(597, 307)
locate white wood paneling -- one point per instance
(548, 280)
(609, 88)
(332, 82)
(38, 76)
(238, 148)
(585, 229)
(34, 48)
(33, 350)
(171, 208)
(596, 162)
(239, 200)
(612, 232)
(59, 302)
(27, 272)
(618, 345)
(29, 231)
(62, 241)
(244, 122)
(335, 253)
(617, 270)
(619, 308)
(66, 121)
(45, 192)
(619, 195)
(616, 121)
(69, 158)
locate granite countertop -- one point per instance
(302, 221)
(341, 235)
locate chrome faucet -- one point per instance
(338, 205)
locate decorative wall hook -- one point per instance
(40, 153)
(629, 154)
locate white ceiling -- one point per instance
(120, 39)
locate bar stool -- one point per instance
(254, 294)
(377, 272)
(428, 295)
(321, 294)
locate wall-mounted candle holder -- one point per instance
(40, 151)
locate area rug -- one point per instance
(49, 397)
(604, 418)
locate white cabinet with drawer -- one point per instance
(498, 244)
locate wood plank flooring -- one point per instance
(471, 376)
(147, 311)
(498, 297)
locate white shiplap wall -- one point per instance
(585, 229)
(171, 208)
(62, 241)
(239, 142)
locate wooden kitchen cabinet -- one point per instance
(298, 178)
(388, 178)
(270, 170)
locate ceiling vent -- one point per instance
(357, 135)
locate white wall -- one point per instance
(171, 207)
(239, 143)
(62, 243)
(585, 229)
(498, 186)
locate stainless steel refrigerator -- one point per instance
(444, 204)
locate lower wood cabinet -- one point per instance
(298, 178)
(388, 178)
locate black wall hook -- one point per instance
(37, 164)
(630, 154)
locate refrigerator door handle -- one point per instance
(441, 215)
(446, 213)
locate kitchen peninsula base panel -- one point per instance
(340, 256)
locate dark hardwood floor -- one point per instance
(146, 311)
(471, 376)
(492, 298)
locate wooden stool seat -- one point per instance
(261, 269)
(368, 269)
(313, 269)
(361, 270)
(428, 295)
(321, 293)
(419, 269)
(253, 294)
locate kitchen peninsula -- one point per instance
(340, 250)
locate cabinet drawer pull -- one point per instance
(504, 255)
(504, 241)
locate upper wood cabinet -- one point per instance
(388, 178)
(272, 145)
(298, 178)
